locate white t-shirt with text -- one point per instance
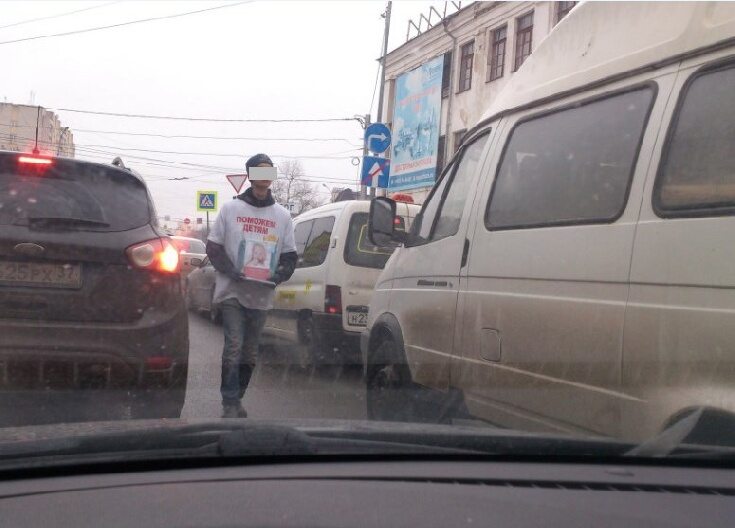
(254, 238)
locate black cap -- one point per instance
(257, 160)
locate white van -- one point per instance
(573, 269)
(324, 305)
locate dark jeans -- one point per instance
(242, 327)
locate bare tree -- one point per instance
(292, 187)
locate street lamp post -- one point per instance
(331, 196)
(64, 130)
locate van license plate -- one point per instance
(357, 318)
(41, 275)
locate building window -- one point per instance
(446, 74)
(440, 156)
(458, 135)
(465, 66)
(524, 34)
(496, 57)
(562, 9)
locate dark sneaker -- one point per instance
(234, 411)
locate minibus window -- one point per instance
(696, 174)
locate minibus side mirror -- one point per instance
(382, 223)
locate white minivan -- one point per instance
(324, 305)
(573, 269)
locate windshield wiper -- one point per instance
(242, 439)
(208, 440)
(670, 439)
(61, 222)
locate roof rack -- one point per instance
(118, 162)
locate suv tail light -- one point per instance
(33, 164)
(34, 160)
(333, 300)
(158, 363)
(156, 255)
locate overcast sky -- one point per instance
(255, 60)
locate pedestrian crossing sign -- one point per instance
(206, 200)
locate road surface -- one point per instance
(278, 390)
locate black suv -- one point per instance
(92, 316)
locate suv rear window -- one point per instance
(359, 251)
(108, 198)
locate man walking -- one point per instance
(251, 228)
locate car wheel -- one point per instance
(314, 353)
(389, 386)
(158, 404)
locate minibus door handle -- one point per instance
(465, 252)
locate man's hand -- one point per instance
(286, 267)
(221, 262)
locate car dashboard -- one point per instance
(375, 493)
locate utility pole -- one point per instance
(381, 93)
(365, 152)
(38, 117)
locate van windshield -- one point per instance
(359, 251)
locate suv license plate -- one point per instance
(357, 318)
(40, 274)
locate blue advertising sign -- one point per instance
(377, 138)
(375, 171)
(416, 115)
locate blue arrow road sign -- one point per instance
(375, 171)
(377, 138)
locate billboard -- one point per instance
(416, 115)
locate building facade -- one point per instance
(482, 45)
(18, 131)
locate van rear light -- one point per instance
(333, 300)
(401, 197)
(155, 255)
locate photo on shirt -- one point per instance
(256, 258)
